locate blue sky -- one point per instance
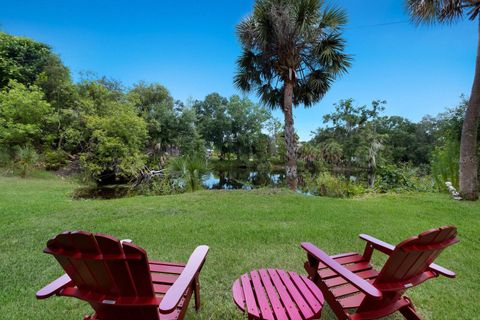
(190, 47)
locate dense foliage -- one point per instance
(110, 133)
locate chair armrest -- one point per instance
(442, 271)
(173, 296)
(378, 244)
(54, 288)
(352, 278)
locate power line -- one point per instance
(378, 25)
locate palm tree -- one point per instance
(447, 11)
(292, 53)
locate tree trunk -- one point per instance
(290, 143)
(468, 146)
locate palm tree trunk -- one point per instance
(290, 143)
(468, 146)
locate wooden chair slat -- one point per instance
(429, 255)
(340, 258)
(119, 270)
(161, 288)
(353, 301)
(166, 268)
(360, 266)
(115, 278)
(409, 264)
(175, 264)
(344, 290)
(367, 274)
(139, 270)
(164, 278)
(86, 244)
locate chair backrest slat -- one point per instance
(405, 264)
(408, 265)
(139, 269)
(122, 279)
(99, 273)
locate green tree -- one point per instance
(246, 123)
(21, 59)
(352, 127)
(155, 104)
(23, 115)
(114, 134)
(187, 137)
(214, 123)
(447, 11)
(292, 53)
(60, 92)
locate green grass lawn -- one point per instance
(244, 229)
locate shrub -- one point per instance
(326, 184)
(402, 178)
(6, 162)
(5, 158)
(159, 186)
(189, 171)
(445, 166)
(55, 159)
(25, 159)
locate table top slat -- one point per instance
(290, 306)
(315, 303)
(262, 299)
(249, 296)
(302, 305)
(238, 296)
(277, 306)
(273, 294)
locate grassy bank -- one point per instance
(245, 230)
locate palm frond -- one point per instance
(291, 40)
(443, 11)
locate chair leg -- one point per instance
(409, 312)
(196, 290)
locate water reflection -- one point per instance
(242, 179)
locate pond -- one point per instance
(242, 178)
(234, 178)
(226, 179)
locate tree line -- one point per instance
(106, 129)
(293, 50)
(111, 132)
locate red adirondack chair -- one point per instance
(117, 280)
(355, 290)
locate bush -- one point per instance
(6, 162)
(25, 159)
(55, 159)
(159, 186)
(188, 171)
(445, 164)
(402, 178)
(325, 184)
(5, 158)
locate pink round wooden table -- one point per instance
(273, 294)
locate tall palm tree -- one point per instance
(447, 11)
(292, 53)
